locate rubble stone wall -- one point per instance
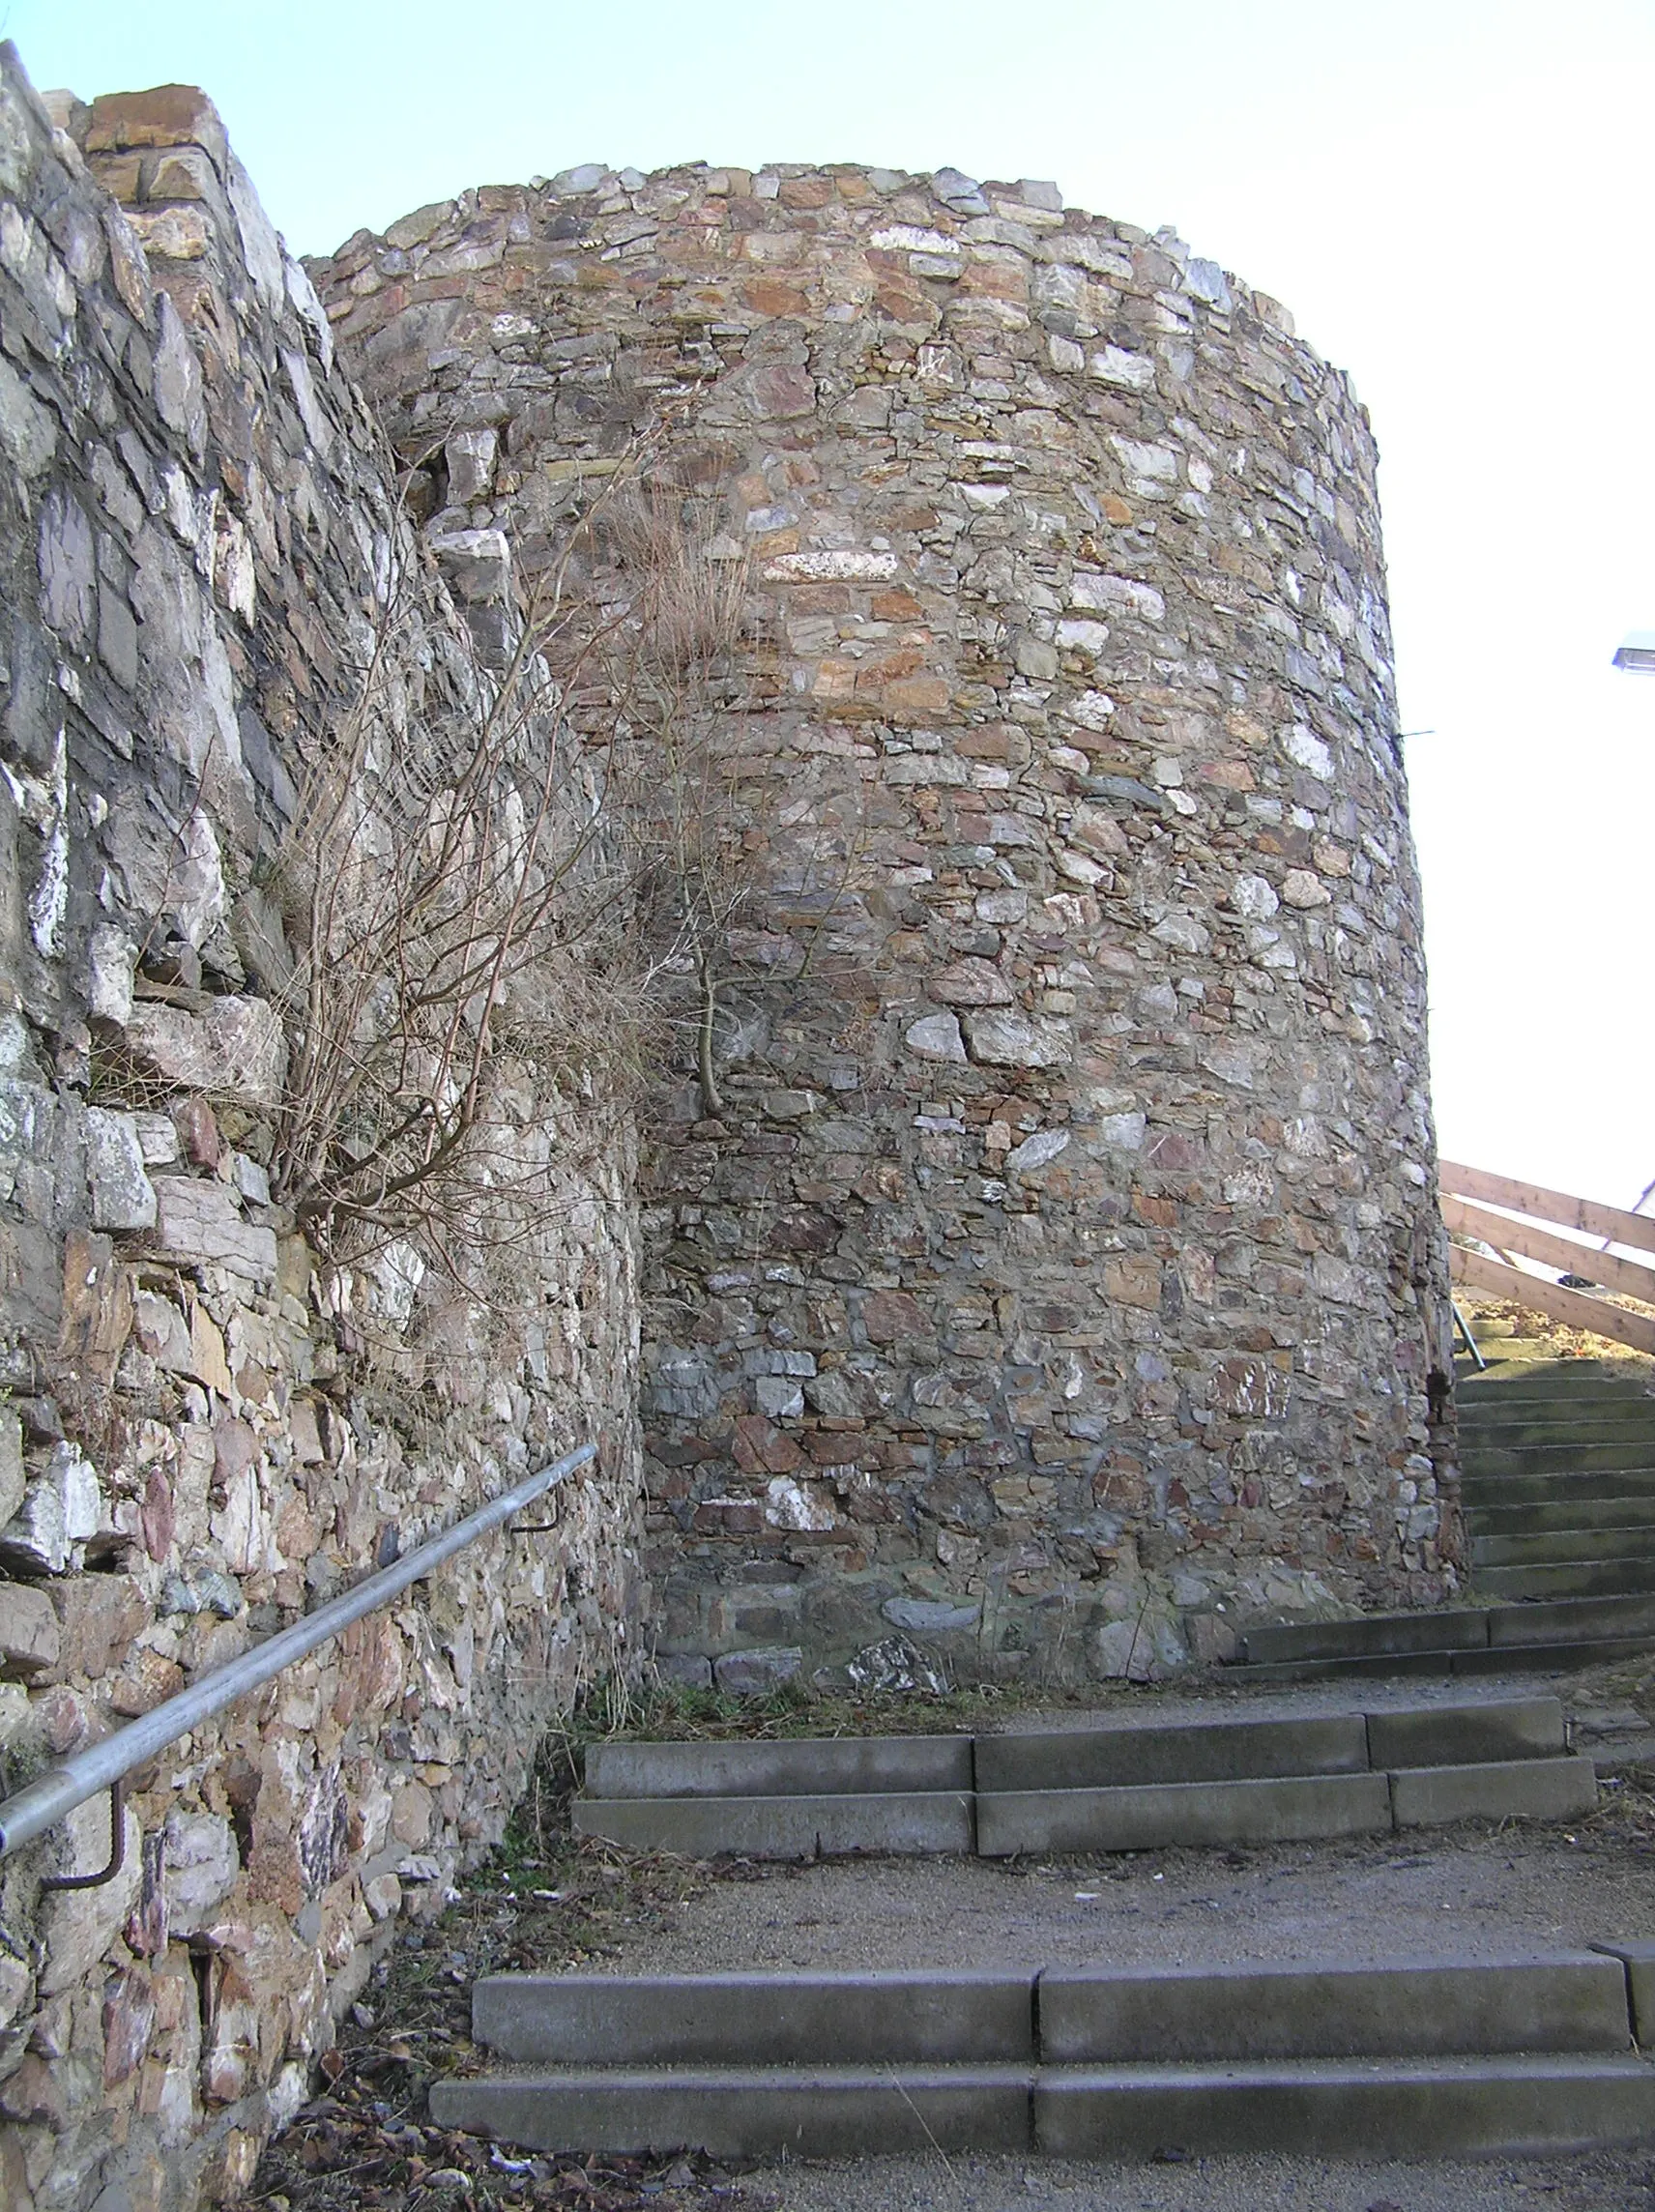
(197, 528)
(1060, 1274)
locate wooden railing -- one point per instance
(1480, 1205)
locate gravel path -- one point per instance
(1471, 1892)
(1605, 2183)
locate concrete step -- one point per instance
(1334, 2009)
(1610, 1578)
(1116, 1753)
(804, 1767)
(1534, 1520)
(1204, 1814)
(1551, 1634)
(1554, 1657)
(783, 1827)
(1555, 1547)
(1335, 2056)
(1284, 1810)
(1496, 1729)
(1519, 1789)
(1111, 1756)
(1637, 1961)
(791, 2018)
(1559, 1488)
(1549, 1381)
(1387, 1633)
(1114, 1784)
(1373, 2107)
(1432, 1638)
(1572, 1620)
(805, 2112)
(1588, 1456)
(1490, 1427)
(1442, 2108)
(1330, 2009)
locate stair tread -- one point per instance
(1517, 2065)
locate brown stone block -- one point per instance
(729, 1517)
(119, 174)
(99, 1616)
(97, 1302)
(762, 1448)
(894, 605)
(146, 1681)
(916, 698)
(770, 296)
(891, 1317)
(173, 234)
(1228, 775)
(169, 115)
(807, 192)
(128, 2022)
(1133, 1280)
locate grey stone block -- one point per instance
(804, 2111)
(791, 2019)
(781, 1827)
(1123, 1755)
(1285, 1810)
(801, 1769)
(1524, 1789)
(1456, 1735)
(1441, 2108)
(751, 1674)
(29, 1641)
(1335, 2010)
(1638, 1963)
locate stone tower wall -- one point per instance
(1060, 1275)
(197, 528)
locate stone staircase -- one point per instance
(1559, 1470)
(1455, 1639)
(1116, 1783)
(1411, 2059)
(1558, 1474)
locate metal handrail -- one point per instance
(104, 1765)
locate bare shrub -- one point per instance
(491, 888)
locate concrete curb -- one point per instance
(1522, 1788)
(783, 1827)
(1279, 1811)
(1339, 2109)
(1460, 1735)
(713, 2020)
(1415, 2009)
(1130, 1755)
(801, 1768)
(816, 2112)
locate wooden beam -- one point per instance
(1571, 1307)
(1635, 1277)
(1582, 1214)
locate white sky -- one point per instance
(1453, 196)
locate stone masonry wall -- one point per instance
(1062, 1277)
(197, 531)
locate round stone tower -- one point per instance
(1053, 1278)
